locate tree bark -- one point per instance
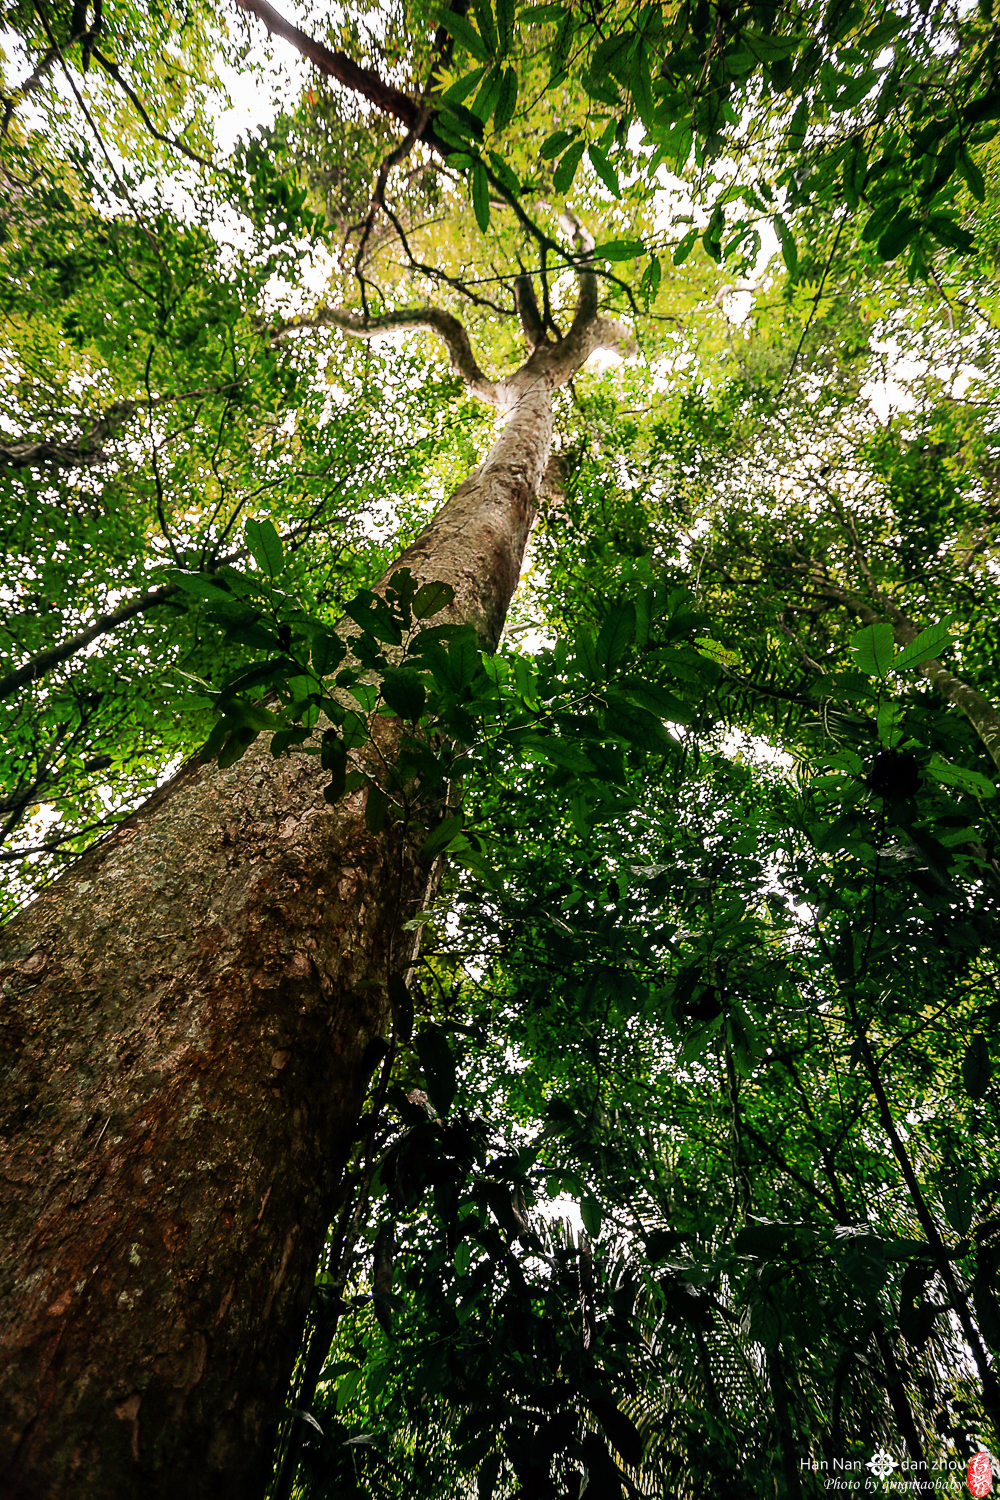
(187, 1020)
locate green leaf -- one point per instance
(872, 648)
(650, 282)
(555, 143)
(928, 644)
(304, 1416)
(401, 1005)
(789, 250)
(431, 598)
(763, 1240)
(797, 129)
(504, 173)
(620, 1430)
(950, 233)
(958, 1201)
(507, 101)
(463, 87)
(559, 52)
(376, 807)
(566, 170)
(616, 633)
(973, 176)
(347, 1388)
(463, 1257)
(604, 169)
(439, 1067)
(485, 22)
(466, 123)
(489, 1469)
(586, 654)
(898, 234)
(640, 83)
(948, 774)
(590, 1213)
(684, 247)
(265, 546)
(771, 48)
(442, 836)
(404, 692)
(481, 196)
(488, 95)
(657, 700)
(505, 25)
(636, 725)
(977, 1067)
(463, 31)
(616, 250)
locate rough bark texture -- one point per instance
(186, 1022)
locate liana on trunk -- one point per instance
(187, 1020)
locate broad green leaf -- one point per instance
(789, 251)
(463, 31)
(616, 250)
(928, 644)
(404, 692)
(489, 94)
(347, 1388)
(487, 27)
(604, 169)
(559, 52)
(566, 169)
(376, 808)
(973, 176)
(948, 774)
(463, 87)
(657, 700)
(872, 648)
(439, 1067)
(556, 142)
(620, 1430)
(431, 598)
(463, 1257)
(957, 1197)
(442, 836)
(504, 173)
(639, 727)
(684, 247)
(481, 196)
(590, 1213)
(771, 48)
(265, 545)
(977, 1067)
(897, 234)
(505, 25)
(507, 101)
(641, 84)
(616, 633)
(761, 1239)
(950, 233)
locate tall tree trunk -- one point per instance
(186, 1024)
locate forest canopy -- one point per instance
(681, 1165)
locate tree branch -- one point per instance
(444, 324)
(527, 310)
(46, 660)
(336, 64)
(86, 450)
